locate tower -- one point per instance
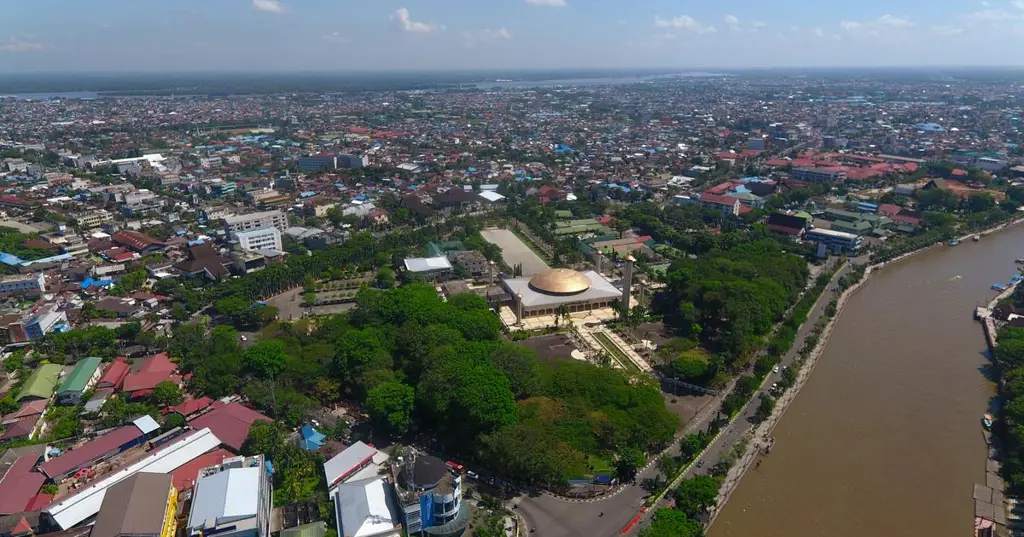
(490, 272)
(519, 308)
(597, 261)
(627, 284)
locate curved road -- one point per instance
(555, 517)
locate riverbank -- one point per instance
(991, 507)
(763, 432)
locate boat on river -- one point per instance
(954, 242)
(976, 238)
(987, 421)
(998, 287)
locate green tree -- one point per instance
(520, 366)
(764, 408)
(631, 459)
(391, 404)
(690, 365)
(266, 358)
(672, 523)
(697, 494)
(166, 393)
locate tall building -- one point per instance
(266, 238)
(352, 161)
(143, 505)
(317, 163)
(246, 222)
(430, 496)
(232, 499)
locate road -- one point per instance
(555, 517)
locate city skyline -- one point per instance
(336, 35)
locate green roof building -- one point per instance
(40, 383)
(80, 379)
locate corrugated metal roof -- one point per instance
(427, 264)
(74, 509)
(79, 377)
(230, 494)
(41, 382)
(342, 464)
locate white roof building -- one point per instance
(427, 264)
(344, 465)
(232, 498)
(366, 508)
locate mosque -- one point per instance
(536, 300)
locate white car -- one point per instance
(775, 370)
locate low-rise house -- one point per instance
(147, 374)
(19, 483)
(229, 421)
(40, 384)
(80, 379)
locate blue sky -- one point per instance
(330, 35)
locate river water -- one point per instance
(886, 434)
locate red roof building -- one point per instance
(135, 240)
(189, 406)
(154, 370)
(184, 478)
(114, 376)
(229, 422)
(20, 484)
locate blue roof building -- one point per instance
(311, 439)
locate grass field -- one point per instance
(615, 352)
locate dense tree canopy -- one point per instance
(421, 363)
(730, 298)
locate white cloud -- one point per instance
(15, 44)
(894, 22)
(991, 15)
(487, 35)
(1019, 4)
(684, 22)
(269, 6)
(335, 37)
(819, 32)
(401, 16)
(947, 30)
(733, 23)
(884, 23)
(547, 3)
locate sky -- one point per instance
(340, 35)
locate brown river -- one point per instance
(886, 434)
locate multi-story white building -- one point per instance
(265, 238)
(232, 499)
(814, 175)
(23, 284)
(353, 161)
(835, 241)
(724, 204)
(91, 219)
(246, 222)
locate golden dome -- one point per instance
(560, 281)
